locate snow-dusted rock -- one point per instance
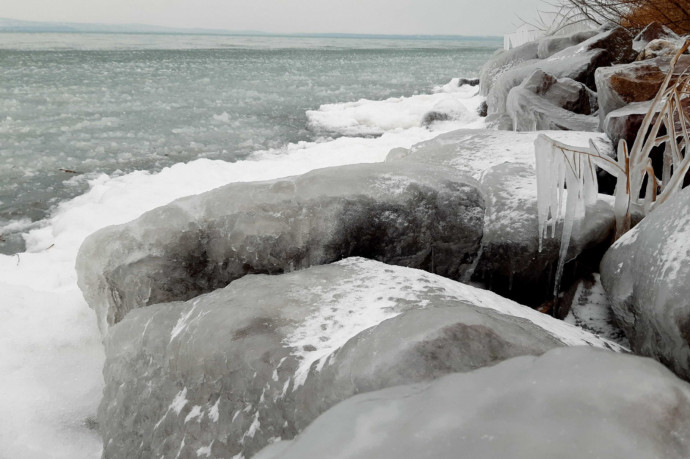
(410, 215)
(510, 262)
(230, 371)
(568, 403)
(660, 48)
(548, 46)
(646, 274)
(577, 62)
(543, 102)
(653, 31)
(620, 85)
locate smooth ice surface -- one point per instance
(568, 403)
(264, 356)
(52, 367)
(647, 277)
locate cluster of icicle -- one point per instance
(566, 185)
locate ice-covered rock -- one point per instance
(504, 60)
(620, 85)
(422, 217)
(510, 262)
(543, 102)
(548, 46)
(233, 370)
(568, 403)
(646, 274)
(660, 48)
(576, 62)
(653, 31)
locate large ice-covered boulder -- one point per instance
(621, 85)
(510, 262)
(568, 403)
(548, 46)
(543, 102)
(229, 372)
(504, 60)
(422, 217)
(576, 62)
(646, 275)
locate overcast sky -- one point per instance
(458, 17)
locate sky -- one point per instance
(441, 17)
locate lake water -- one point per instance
(73, 106)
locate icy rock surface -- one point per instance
(502, 61)
(591, 311)
(568, 403)
(229, 372)
(652, 32)
(620, 85)
(576, 62)
(646, 274)
(422, 217)
(549, 46)
(504, 163)
(543, 102)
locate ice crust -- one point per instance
(567, 403)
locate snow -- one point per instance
(591, 311)
(367, 117)
(50, 345)
(350, 310)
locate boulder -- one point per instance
(422, 217)
(549, 46)
(502, 61)
(646, 274)
(568, 403)
(543, 102)
(227, 373)
(660, 48)
(653, 31)
(468, 82)
(577, 62)
(510, 262)
(635, 82)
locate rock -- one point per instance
(646, 274)
(231, 371)
(624, 123)
(510, 262)
(543, 102)
(422, 217)
(525, 407)
(502, 61)
(652, 32)
(445, 110)
(468, 82)
(660, 48)
(483, 109)
(577, 62)
(549, 46)
(636, 82)
(434, 116)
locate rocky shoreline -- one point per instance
(388, 310)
